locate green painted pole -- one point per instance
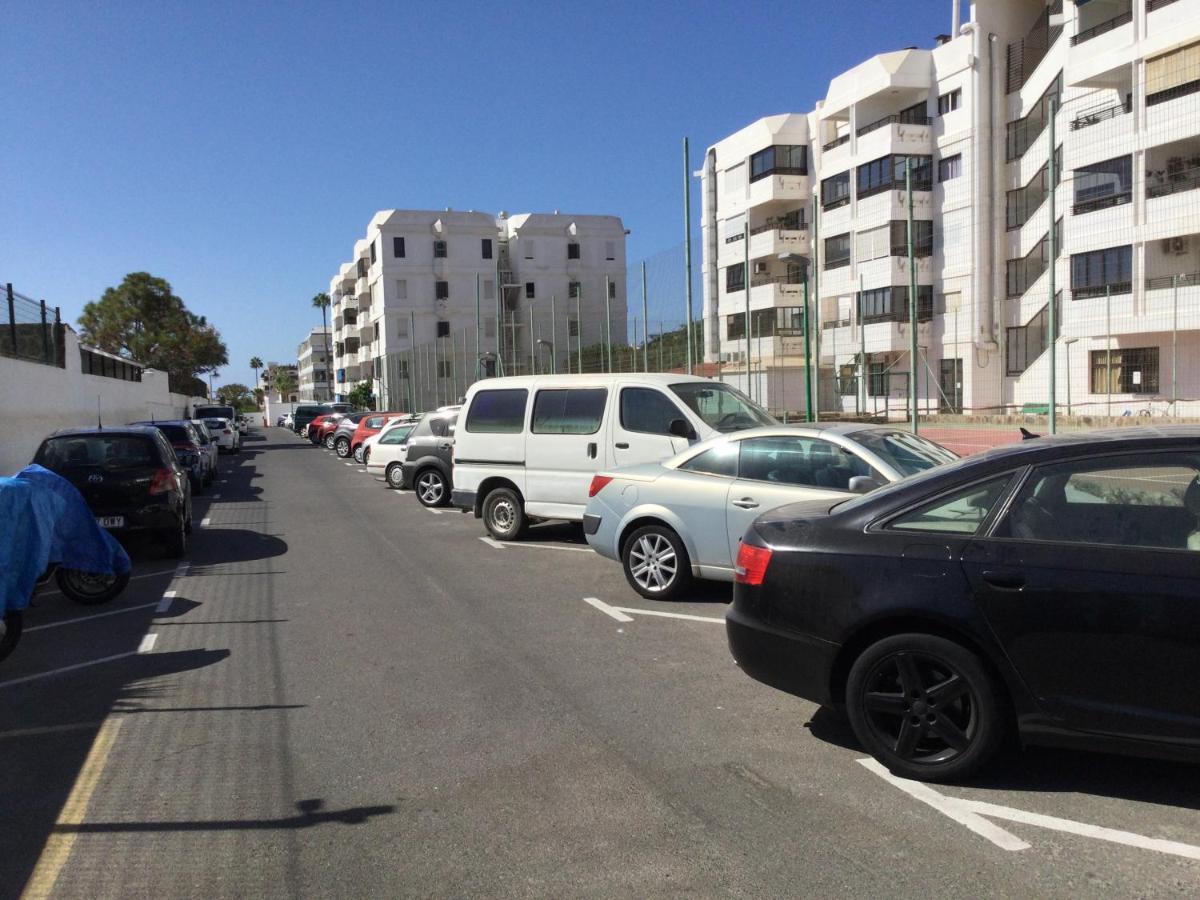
(646, 324)
(1052, 340)
(499, 320)
(816, 297)
(532, 345)
(412, 360)
(687, 250)
(553, 336)
(478, 349)
(862, 349)
(912, 298)
(578, 332)
(746, 288)
(660, 347)
(808, 406)
(608, 320)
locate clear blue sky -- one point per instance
(239, 149)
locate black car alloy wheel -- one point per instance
(925, 707)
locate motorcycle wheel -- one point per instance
(90, 588)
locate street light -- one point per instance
(1067, 343)
(802, 261)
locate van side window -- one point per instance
(574, 411)
(498, 412)
(648, 410)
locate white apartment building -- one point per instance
(405, 308)
(972, 114)
(313, 366)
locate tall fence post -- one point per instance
(687, 251)
(746, 287)
(646, 324)
(816, 299)
(12, 317)
(912, 298)
(608, 321)
(45, 334)
(1053, 339)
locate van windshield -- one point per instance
(720, 406)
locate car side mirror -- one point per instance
(862, 484)
(681, 429)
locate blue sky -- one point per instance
(239, 150)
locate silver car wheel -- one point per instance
(652, 562)
(503, 514)
(429, 486)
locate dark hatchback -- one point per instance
(428, 467)
(188, 445)
(1049, 588)
(130, 478)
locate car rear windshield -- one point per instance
(208, 412)
(216, 424)
(907, 453)
(722, 407)
(108, 451)
(176, 434)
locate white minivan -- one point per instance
(526, 448)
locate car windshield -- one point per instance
(721, 406)
(113, 451)
(907, 453)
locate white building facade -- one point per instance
(969, 122)
(313, 366)
(425, 289)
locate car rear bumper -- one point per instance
(146, 518)
(799, 664)
(591, 523)
(464, 500)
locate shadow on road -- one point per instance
(310, 813)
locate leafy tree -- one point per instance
(236, 395)
(360, 395)
(283, 382)
(141, 319)
(255, 364)
(259, 394)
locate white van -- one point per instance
(526, 448)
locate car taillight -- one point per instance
(163, 482)
(227, 431)
(752, 561)
(599, 482)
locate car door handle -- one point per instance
(1005, 579)
(443, 446)
(591, 450)
(622, 446)
(746, 503)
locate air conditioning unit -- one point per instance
(1176, 246)
(760, 268)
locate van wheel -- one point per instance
(504, 515)
(394, 475)
(430, 485)
(656, 563)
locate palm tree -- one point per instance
(255, 364)
(321, 302)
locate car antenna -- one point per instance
(1027, 435)
(99, 423)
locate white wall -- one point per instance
(36, 400)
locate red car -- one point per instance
(322, 428)
(372, 424)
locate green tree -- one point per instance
(360, 395)
(283, 383)
(141, 319)
(321, 302)
(236, 395)
(259, 395)
(255, 364)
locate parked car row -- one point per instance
(1043, 590)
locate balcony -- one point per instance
(785, 234)
(779, 187)
(1102, 28)
(836, 142)
(1098, 114)
(897, 119)
(913, 137)
(1164, 184)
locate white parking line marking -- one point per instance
(111, 612)
(216, 496)
(205, 522)
(668, 615)
(363, 471)
(347, 464)
(436, 512)
(147, 643)
(50, 674)
(165, 603)
(492, 542)
(971, 812)
(131, 578)
(607, 610)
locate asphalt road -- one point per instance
(349, 695)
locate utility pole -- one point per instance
(816, 298)
(746, 287)
(412, 360)
(912, 297)
(687, 251)
(478, 357)
(808, 397)
(1053, 338)
(646, 324)
(554, 337)
(578, 332)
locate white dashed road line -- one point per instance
(204, 523)
(165, 603)
(147, 643)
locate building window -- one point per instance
(781, 159)
(402, 327)
(1102, 271)
(574, 290)
(528, 245)
(486, 248)
(835, 191)
(572, 250)
(445, 368)
(401, 289)
(950, 167)
(735, 278)
(398, 247)
(949, 102)
(1125, 371)
(612, 290)
(735, 327)
(610, 250)
(1173, 74)
(890, 304)
(439, 249)
(887, 173)
(837, 251)
(442, 289)
(529, 290)
(443, 328)
(1104, 184)
(573, 327)
(922, 238)
(877, 379)
(489, 289)
(373, 257)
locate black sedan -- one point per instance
(1049, 589)
(130, 478)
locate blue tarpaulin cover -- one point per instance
(43, 520)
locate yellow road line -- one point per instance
(59, 843)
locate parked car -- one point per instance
(289, 422)
(369, 425)
(303, 415)
(339, 440)
(130, 478)
(215, 411)
(227, 436)
(387, 456)
(395, 422)
(281, 421)
(428, 464)
(189, 449)
(1048, 586)
(210, 447)
(530, 445)
(322, 433)
(670, 522)
(243, 423)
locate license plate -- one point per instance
(110, 521)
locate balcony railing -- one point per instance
(898, 119)
(1103, 28)
(1187, 180)
(836, 263)
(1101, 114)
(760, 280)
(836, 323)
(1111, 200)
(837, 142)
(1101, 290)
(781, 223)
(1152, 5)
(1191, 279)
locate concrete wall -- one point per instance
(36, 400)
